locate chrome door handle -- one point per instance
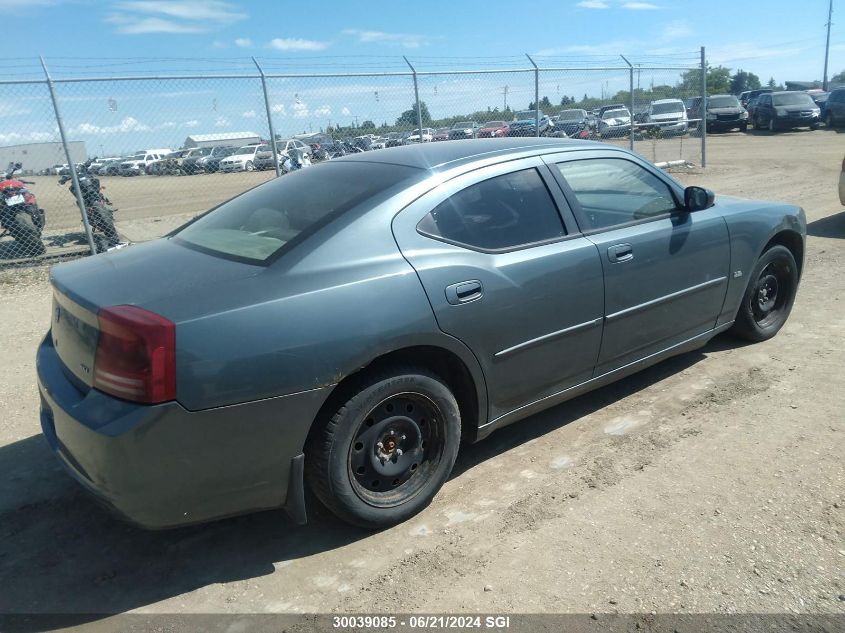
(464, 292)
(619, 253)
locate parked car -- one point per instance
(169, 164)
(493, 129)
(464, 129)
(348, 326)
(525, 123)
(785, 110)
(615, 122)
(137, 164)
(394, 139)
(264, 155)
(427, 135)
(210, 163)
(242, 159)
(364, 142)
(110, 167)
(834, 108)
(571, 122)
(752, 94)
(669, 116)
(751, 107)
(724, 113)
(441, 134)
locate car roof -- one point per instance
(666, 101)
(438, 156)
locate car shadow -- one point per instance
(60, 553)
(831, 226)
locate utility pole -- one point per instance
(505, 92)
(827, 44)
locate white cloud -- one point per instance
(345, 111)
(676, 30)
(32, 137)
(192, 123)
(279, 108)
(300, 110)
(249, 114)
(323, 111)
(593, 4)
(640, 6)
(222, 122)
(167, 125)
(173, 16)
(129, 124)
(219, 44)
(243, 42)
(407, 40)
(131, 25)
(297, 44)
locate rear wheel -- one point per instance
(383, 454)
(769, 297)
(28, 235)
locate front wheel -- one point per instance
(772, 127)
(769, 297)
(250, 166)
(384, 453)
(828, 120)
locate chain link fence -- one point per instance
(144, 153)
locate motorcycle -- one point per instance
(98, 207)
(296, 159)
(20, 215)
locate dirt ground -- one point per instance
(713, 482)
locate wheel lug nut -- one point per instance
(399, 452)
(402, 438)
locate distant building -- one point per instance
(221, 138)
(37, 156)
(802, 85)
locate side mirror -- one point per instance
(698, 198)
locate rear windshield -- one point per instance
(796, 98)
(256, 225)
(667, 108)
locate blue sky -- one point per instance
(778, 38)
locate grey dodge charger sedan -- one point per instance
(346, 327)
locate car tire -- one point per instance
(814, 126)
(355, 462)
(769, 297)
(828, 120)
(772, 128)
(250, 166)
(28, 235)
(743, 128)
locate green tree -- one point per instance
(367, 125)
(838, 79)
(545, 104)
(742, 81)
(409, 117)
(718, 80)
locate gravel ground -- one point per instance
(713, 482)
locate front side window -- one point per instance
(500, 213)
(257, 224)
(615, 191)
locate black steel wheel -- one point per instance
(769, 297)
(384, 453)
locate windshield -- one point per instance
(223, 151)
(727, 101)
(797, 98)
(666, 108)
(138, 157)
(259, 223)
(614, 114)
(203, 151)
(494, 124)
(571, 115)
(246, 149)
(524, 115)
(462, 124)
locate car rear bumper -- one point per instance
(162, 466)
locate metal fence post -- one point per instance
(416, 97)
(269, 117)
(703, 110)
(71, 166)
(631, 100)
(536, 96)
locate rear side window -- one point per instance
(614, 191)
(258, 224)
(500, 213)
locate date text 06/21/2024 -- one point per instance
(421, 622)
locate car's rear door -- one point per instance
(508, 277)
(665, 270)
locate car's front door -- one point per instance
(508, 277)
(665, 269)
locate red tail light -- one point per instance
(136, 355)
